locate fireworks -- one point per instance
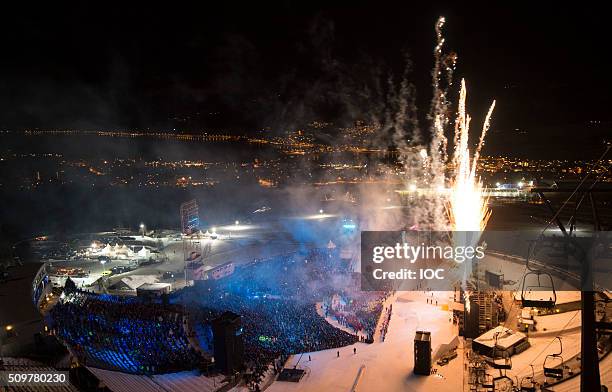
(468, 210)
(466, 297)
(466, 207)
(450, 195)
(458, 203)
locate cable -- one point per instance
(534, 244)
(584, 194)
(550, 222)
(576, 190)
(550, 343)
(565, 203)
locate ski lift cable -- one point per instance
(555, 371)
(532, 245)
(578, 188)
(606, 169)
(549, 343)
(560, 345)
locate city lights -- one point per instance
(279, 197)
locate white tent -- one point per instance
(144, 253)
(107, 250)
(124, 250)
(133, 281)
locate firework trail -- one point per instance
(468, 208)
(455, 199)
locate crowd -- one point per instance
(356, 310)
(123, 334)
(385, 323)
(276, 299)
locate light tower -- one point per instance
(190, 218)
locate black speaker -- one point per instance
(494, 279)
(228, 345)
(422, 353)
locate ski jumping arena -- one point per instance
(277, 306)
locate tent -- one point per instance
(144, 253)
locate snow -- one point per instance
(390, 362)
(568, 320)
(505, 337)
(135, 281)
(388, 365)
(573, 384)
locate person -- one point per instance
(338, 354)
(354, 350)
(309, 359)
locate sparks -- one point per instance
(468, 210)
(466, 297)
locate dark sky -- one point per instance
(248, 65)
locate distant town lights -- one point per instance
(412, 187)
(520, 184)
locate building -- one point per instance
(153, 290)
(500, 342)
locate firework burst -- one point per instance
(468, 207)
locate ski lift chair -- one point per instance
(503, 383)
(536, 295)
(488, 383)
(528, 383)
(553, 363)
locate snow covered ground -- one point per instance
(388, 364)
(605, 375)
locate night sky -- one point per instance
(247, 66)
